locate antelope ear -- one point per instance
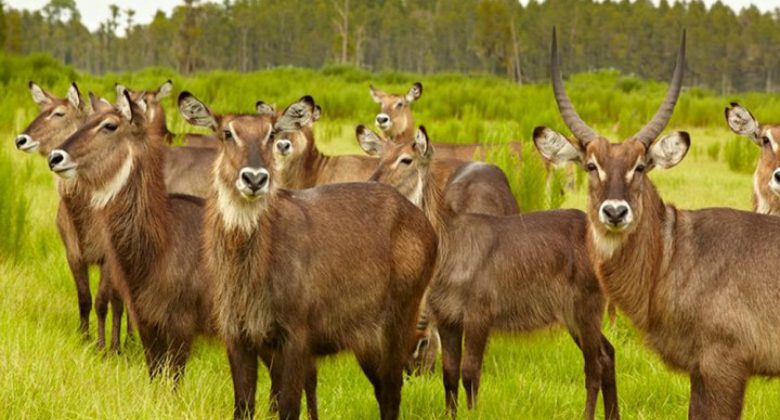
(39, 95)
(669, 150)
(415, 92)
(98, 104)
(315, 116)
(422, 143)
(263, 108)
(298, 115)
(369, 141)
(555, 147)
(376, 94)
(125, 105)
(196, 112)
(742, 122)
(164, 91)
(74, 96)
(120, 88)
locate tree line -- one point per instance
(728, 50)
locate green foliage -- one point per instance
(14, 207)
(713, 151)
(741, 155)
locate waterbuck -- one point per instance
(517, 273)
(310, 272)
(701, 285)
(395, 120)
(153, 239)
(156, 115)
(766, 178)
(76, 222)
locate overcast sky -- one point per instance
(95, 11)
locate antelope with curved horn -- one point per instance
(701, 285)
(766, 178)
(311, 272)
(396, 122)
(516, 273)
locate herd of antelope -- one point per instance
(254, 236)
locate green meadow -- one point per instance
(48, 371)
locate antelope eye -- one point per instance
(228, 134)
(109, 126)
(765, 140)
(398, 105)
(58, 114)
(639, 168)
(405, 161)
(590, 167)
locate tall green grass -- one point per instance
(741, 155)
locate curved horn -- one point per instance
(578, 127)
(649, 132)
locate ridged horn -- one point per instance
(651, 130)
(581, 131)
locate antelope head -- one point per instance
(405, 165)
(58, 118)
(155, 114)
(395, 113)
(100, 154)
(244, 171)
(766, 179)
(617, 171)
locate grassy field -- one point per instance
(47, 371)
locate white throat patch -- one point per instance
(605, 245)
(417, 195)
(103, 196)
(236, 215)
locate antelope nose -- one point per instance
(615, 213)
(284, 146)
(57, 157)
(776, 175)
(382, 119)
(21, 140)
(255, 179)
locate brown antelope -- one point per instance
(766, 178)
(156, 115)
(81, 235)
(395, 120)
(516, 273)
(473, 187)
(153, 240)
(701, 284)
(309, 272)
(187, 167)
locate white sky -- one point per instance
(95, 11)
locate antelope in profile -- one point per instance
(395, 120)
(516, 273)
(766, 178)
(702, 285)
(153, 239)
(156, 115)
(311, 272)
(76, 221)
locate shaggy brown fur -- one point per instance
(396, 121)
(516, 273)
(311, 272)
(701, 285)
(153, 238)
(80, 234)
